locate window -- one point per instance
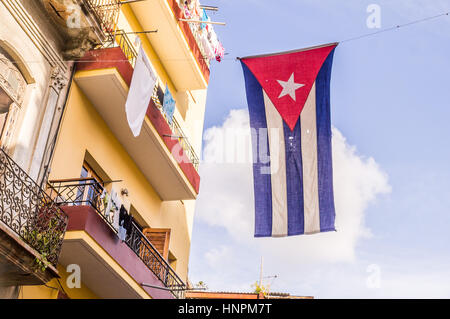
(160, 238)
(12, 91)
(88, 172)
(91, 189)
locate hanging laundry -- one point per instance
(212, 37)
(188, 9)
(128, 223)
(206, 44)
(114, 208)
(204, 17)
(197, 9)
(104, 195)
(123, 223)
(220, 52)
(105, 201)
(187, 13)
(168, 105)
(140, 93)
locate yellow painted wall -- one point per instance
(83, 130)
(190, 109)
(45, 292)
(189, 113)
(129, 22)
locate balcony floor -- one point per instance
(108, 266)
(18, 262)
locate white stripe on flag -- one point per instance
(309, 160)
(277, 169)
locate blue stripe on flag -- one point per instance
(324, 156)
(262, 183)
(294, 176)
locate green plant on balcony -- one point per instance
(45, 241)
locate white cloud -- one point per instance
(216, 256)
(226, 200)
(222, 269)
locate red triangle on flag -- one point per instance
(287, 78)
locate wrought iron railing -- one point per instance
(176, 129)
(89, 192)
(105, 12)
(120, 39)
(82, 192)
(29, 212)
(140, 244)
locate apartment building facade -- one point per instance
(126, 203)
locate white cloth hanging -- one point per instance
(117, 203)
(140, 93)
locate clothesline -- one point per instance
(395, 27)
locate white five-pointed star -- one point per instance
(289, 87)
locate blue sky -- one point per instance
(390, 109)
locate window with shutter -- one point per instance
(159, 237)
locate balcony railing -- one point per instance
(177, 131)
(120, 39)
(82, 192)
(105, 13)
(140, 244)
(89, 192)
(29, 212)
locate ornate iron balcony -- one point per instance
(140, 244)
(105, 12)
(89, 192)
(29, 212)
(81, 192)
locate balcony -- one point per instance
(83, 23)
(32, 228)
(162, 151)
(178, 44)
(82, 200)
(119, 39)
(175, 127)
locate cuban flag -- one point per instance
(288, 96)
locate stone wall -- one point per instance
(81, 33)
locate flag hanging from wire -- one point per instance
(288, 96)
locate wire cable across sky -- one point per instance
(362, 36)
